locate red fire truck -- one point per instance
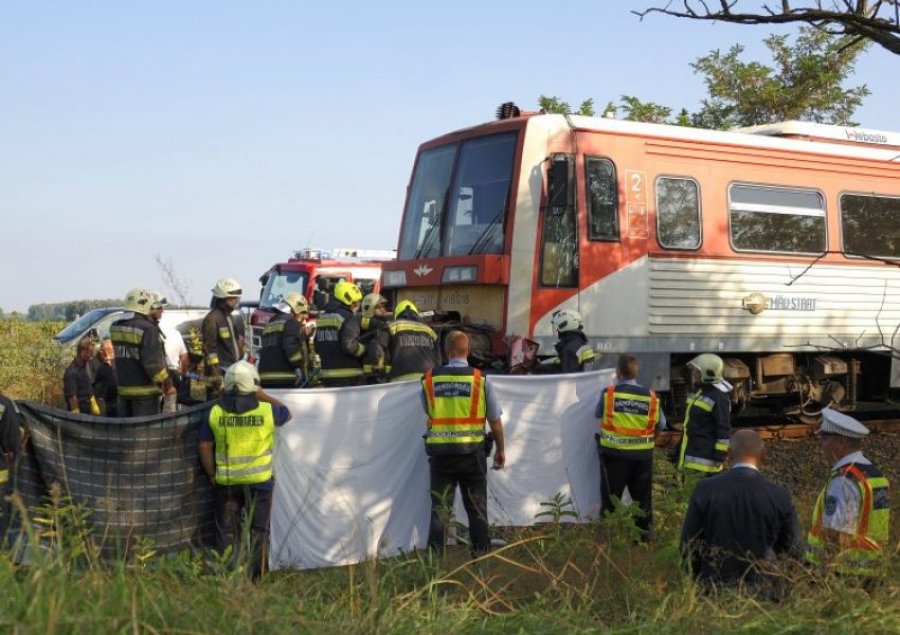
(314, 272)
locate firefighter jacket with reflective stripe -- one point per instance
(707, 430)
(575, 354)
(411, 348)
(285, 349)
(372, 328)
(862, 550)
(244, 444)
(221, 332)
(141, 369)
(630, 415)
(457, 409)
(337, 343)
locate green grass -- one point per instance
(568, 584)
(551, 578)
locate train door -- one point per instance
(588, 212)
(615, 196)
(556, 279)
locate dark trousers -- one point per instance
(616, 474)
(138, 406)
(5, 510)
(469, 471)
(242, 522)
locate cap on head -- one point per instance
(347, 292)
(405, 305)
(294, 302)
(370, 302)
(242, 378)
(566, 320)
(834, 422)
(139, 300)
(227, 288)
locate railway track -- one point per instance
(791, 430)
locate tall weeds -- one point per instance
(31, 363)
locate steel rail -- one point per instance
(671, 438)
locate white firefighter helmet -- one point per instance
(710, 366)
(242, 378)
(159, 300)
(566, 320)
(139, 300)
(294, 301)
(227, 288)
(369, 303)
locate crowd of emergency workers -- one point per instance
(739, 524)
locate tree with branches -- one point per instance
(870, 20)
(805, 81)
(178, 286)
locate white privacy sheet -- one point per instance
(352, 475)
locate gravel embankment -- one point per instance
(801, 467)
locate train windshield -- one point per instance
(459, 199)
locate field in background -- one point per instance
(552, 578)
(31, 363)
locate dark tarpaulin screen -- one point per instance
(139, 478)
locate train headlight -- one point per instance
(394, 278)
(460, 274)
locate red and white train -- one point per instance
(776, 247)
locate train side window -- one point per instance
(870, 225)
(602, 199)
(677, 213)
(776, 219)
(559, 233)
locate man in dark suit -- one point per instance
(739, 522)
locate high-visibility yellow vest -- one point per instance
(245, 444)
(863, 549)
(630, 415)
(457, 409)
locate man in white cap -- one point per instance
(851, 514)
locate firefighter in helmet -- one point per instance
(222, 332)
(236, 443)
(338, 337)
(285, 360)
(141, 370)
(573, 353)
(373, 319)
(707, 419)
(410, 346)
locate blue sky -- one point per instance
(222, 135)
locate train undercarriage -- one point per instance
(796, 385)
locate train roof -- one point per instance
(825, 132)
(798, 136)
